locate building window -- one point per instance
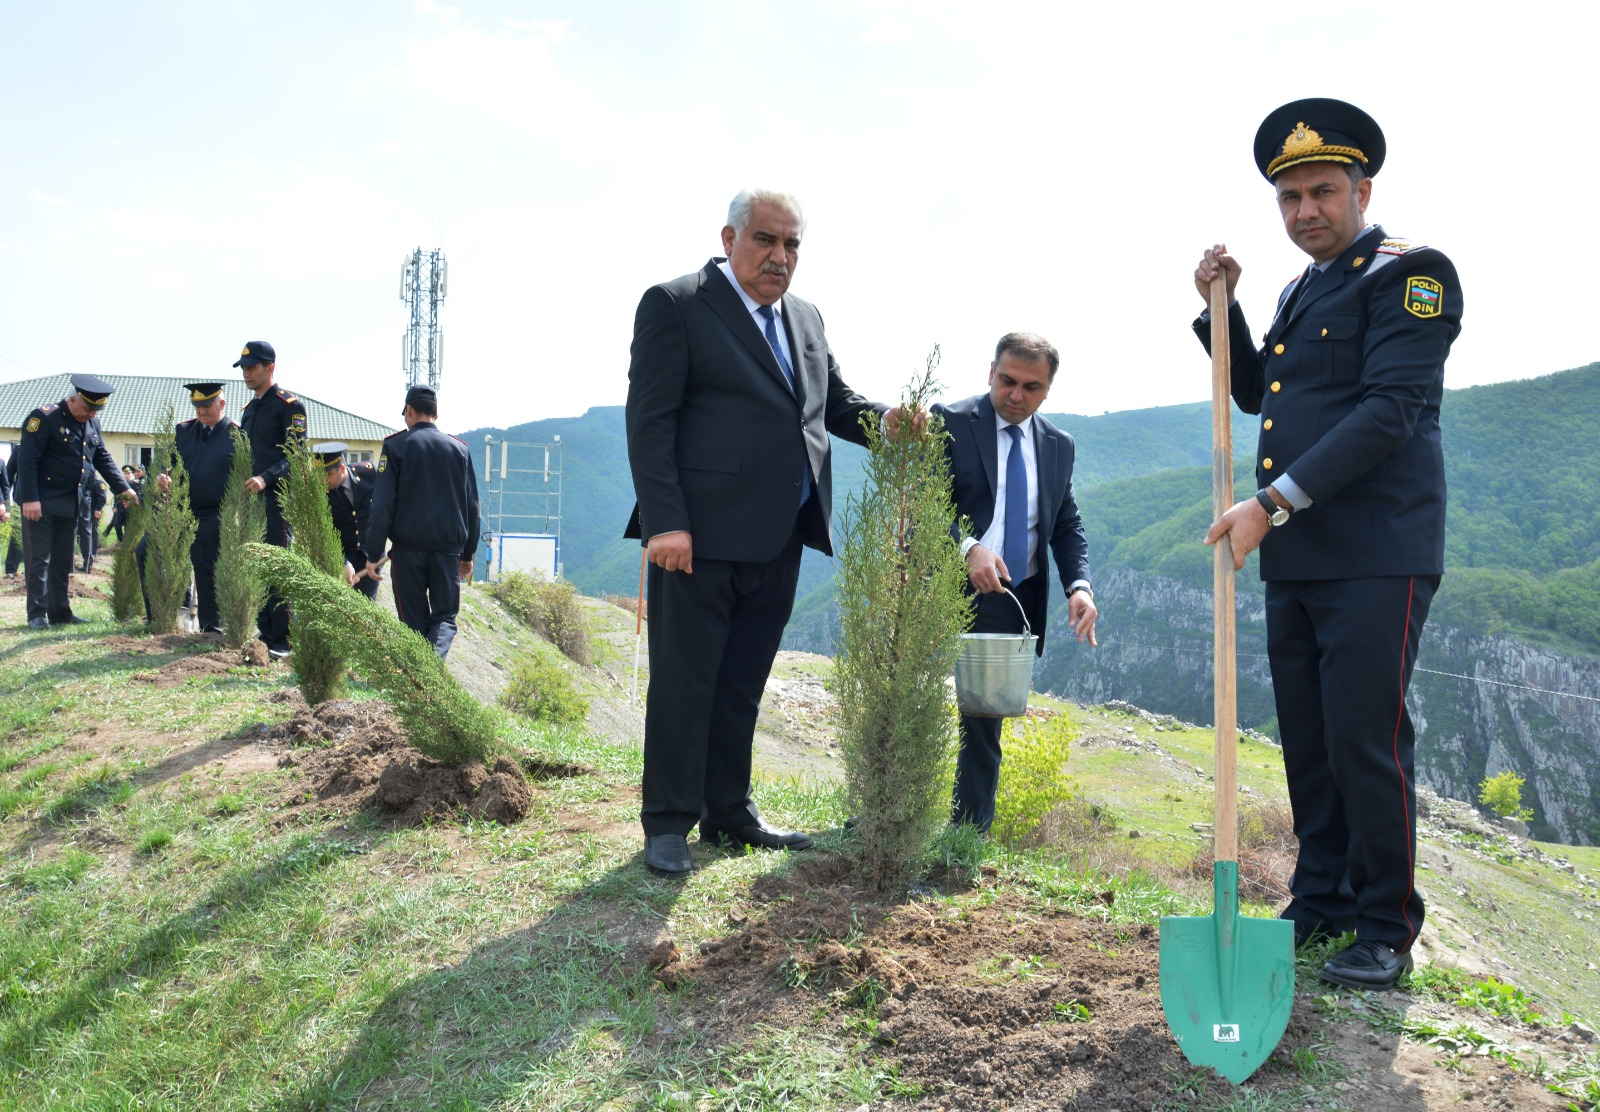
(358, 457)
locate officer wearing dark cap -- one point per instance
(426, 509)
(61, 447)
(1349, 520)
(269, 420)
(205, 444)
(350, 491)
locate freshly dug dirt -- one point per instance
(360, 760)
(1007, 1006)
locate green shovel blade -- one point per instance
(1227, 981)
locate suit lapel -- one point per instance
(1044, 462)
(983, 432)
(727, 304)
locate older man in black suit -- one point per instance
(1349, 520)
(732, 392)
(1012, 472)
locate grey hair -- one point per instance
(740, 207)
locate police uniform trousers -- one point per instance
(713, 636)
(47, 551)
(978, 764)
(273, 621)
(427, 592)
(1341, 653)
(203, 555)
(86, 540)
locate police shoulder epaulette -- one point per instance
(284, 394)
(395, 433)
(1398, 247)
(46, 409)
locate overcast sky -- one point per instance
(177, 178)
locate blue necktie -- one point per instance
(1015, 543)
(788, 373)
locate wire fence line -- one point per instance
(1430, 671)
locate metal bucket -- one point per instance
(994, 672)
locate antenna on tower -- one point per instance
(424, 281)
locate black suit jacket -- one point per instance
(1348, 385)
(972, 447)
(716, 436)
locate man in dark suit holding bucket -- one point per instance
(1012, 472)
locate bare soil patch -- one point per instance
(362, 761)
(1009, 1006)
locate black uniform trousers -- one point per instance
(86, 539)
(273, 621)
(713, 636)
(1341, 652)
(978, 764)
(14, 548)
(427, 593)
(47, 551)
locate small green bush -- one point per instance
(551, 607)
(240, 592)
(1502, 794)
(1033, 774)
(169, 528)
(319, 659)
(127, 597)
(540, 689)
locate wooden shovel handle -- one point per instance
(1224, 692)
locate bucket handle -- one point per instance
(1027, 629)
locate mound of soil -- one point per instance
(1007, 1006)
(362, 761)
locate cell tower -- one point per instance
(422, 349)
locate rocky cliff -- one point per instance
(1482, 705)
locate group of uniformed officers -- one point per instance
(415, 512)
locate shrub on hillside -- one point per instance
(1502, 794)
(902, 610)
(242, 521)
(319, 662)
(169, 528)
(540, 689)
(440, 717)
(127, 597)
(551, 607)
(1033, 774)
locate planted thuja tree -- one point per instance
(319, 662)
(127, 599)
(242, 520)
(169, 529)
(902, 610)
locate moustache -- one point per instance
(774, 268)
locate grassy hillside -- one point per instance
(193, 921)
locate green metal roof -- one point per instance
(140, 400)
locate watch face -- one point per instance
(1280, 517)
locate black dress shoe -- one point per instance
(667, 855)
(1369, 965)
(38, 623)
(212, 629)
(71, 620)
(757, 835)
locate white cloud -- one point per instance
(54, 202)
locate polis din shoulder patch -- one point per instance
(1424, 297)
(383, 461)
(33, 424)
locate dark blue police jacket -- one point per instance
(1348, 385)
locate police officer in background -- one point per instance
(1349, 520)
(8, 478)
(350, 491)
(205, 444)
(269, 420)
(91, 503)
(426, 505)
(61, 446)
(119, 516)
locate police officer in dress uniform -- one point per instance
(8, 478)
(269, 420)
(205, 444)
(91, 503)
(350, 491)
(426, 505)
(1349, 520)
(61, 446)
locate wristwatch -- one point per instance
(1276, 514)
